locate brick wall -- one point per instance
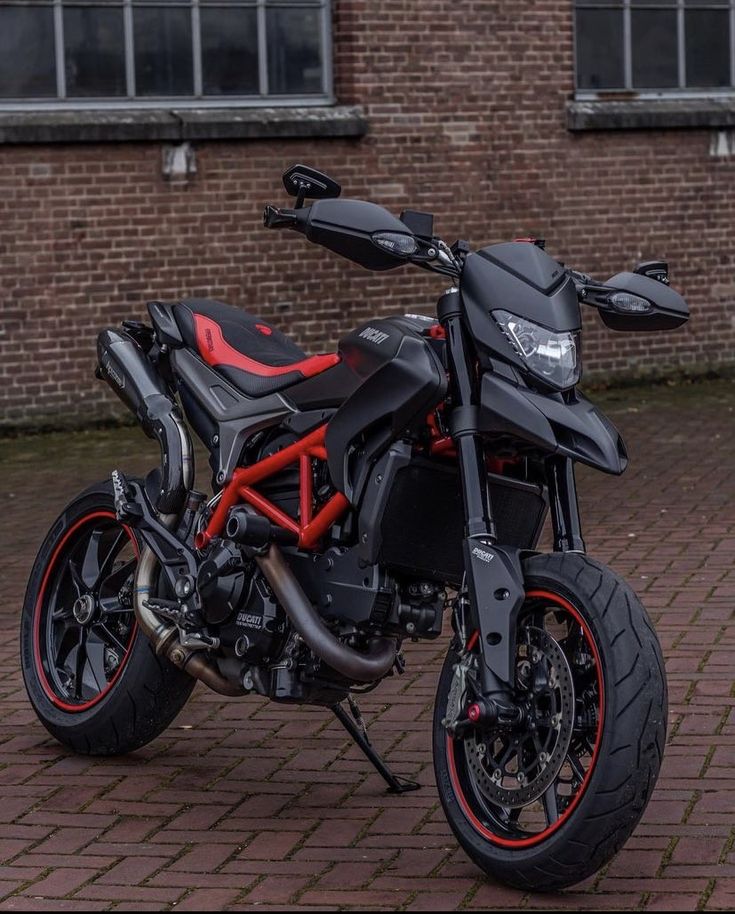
(466, 105)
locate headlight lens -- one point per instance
(552, 357)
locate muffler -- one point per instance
(351, 664)
(129, 373)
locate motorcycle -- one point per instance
(359, 498)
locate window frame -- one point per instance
(198, 99)
(629, 90)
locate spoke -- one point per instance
(110, 637)
(115, 580)
(106, 563)
(61, 615)
(64, 656)
(80, 659)
(76, 578)
(509, 817)
(91, 562)
(576, 766)
(551, 806)
(95, 650)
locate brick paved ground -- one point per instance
(241, 804)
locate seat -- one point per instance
(255, 357)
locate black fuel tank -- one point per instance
(520, 278)
(401, 378)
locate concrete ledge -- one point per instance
(651, 114)
(178, 125)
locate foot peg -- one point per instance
(355, 726)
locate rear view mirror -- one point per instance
(305, 183)
(639, 302)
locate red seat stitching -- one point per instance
(215, 350)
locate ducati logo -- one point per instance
(209, 340)
(483, 554)
(374, 336)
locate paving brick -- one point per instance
(223, 816)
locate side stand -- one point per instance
(355, 726)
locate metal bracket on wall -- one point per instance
(179, 162)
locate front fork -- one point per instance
(494, 579)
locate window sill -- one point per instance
(179, 124)
(651, 114)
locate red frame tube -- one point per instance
(309, 528)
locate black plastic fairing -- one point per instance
(164, 323)
(215, 407)
(346, 227)
(401, 378)
(571, 427)
(520, 278)
(669, 309)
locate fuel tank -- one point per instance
(397, 377)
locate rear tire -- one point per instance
(631, 734)
(108, 693)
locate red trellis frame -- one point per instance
(310, 528)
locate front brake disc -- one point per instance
(514, 768)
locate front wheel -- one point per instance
(546, 803)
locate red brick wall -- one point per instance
(466, 104)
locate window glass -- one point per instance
(707, 48)
(655, 50)
(229, 51)
(201, 50)
(27, 56)
(294, 51)
(94, 51)
(600, 49)
(163, 51)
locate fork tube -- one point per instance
(564, 505)
(463, 419)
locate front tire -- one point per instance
(92, 676)
(613, 661)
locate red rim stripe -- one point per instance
(547, 832)
(38, 611)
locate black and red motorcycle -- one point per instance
(359, 498)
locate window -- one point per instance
(655, 47)
(79, 53)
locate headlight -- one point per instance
(552, 357)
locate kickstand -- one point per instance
(355, 726)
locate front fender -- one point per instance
(575, 428)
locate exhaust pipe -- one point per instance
(129, 373)
(355, 667)
(308, 623)
(165, 638)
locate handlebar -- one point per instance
(275, 218)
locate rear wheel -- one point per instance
(93, 678)
(546, 803)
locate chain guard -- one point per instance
(513, 769)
